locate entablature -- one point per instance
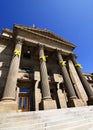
(34, 39)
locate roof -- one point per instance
(46, 33)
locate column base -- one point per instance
(90, 102)
(48, 104)
(75, 103)
(8, 106)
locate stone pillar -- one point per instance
(84, 81)
(44, 76)
(10, 87)
(9, 102)
(46, 100)
(77, 83)
(66, 77)
(73, 101)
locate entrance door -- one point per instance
(24, 102)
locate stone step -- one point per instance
(72, 125)
(63, 110)
(46, 114)
(40, 122)
(61, 122)
(35, 122)
(87, 126)
(50, 119)
(69, 124)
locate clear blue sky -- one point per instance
(71, 19)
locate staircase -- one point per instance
(79, 118)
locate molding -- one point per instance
(66, 52)
(52, 39)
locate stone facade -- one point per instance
(39, 71)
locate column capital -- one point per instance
(74, 56)
(41, 45)
(19, 40)
(59, 50)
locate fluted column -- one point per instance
(66, 77)
(82, 78)
(43, 72)
(10, 87)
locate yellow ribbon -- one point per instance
(63, 63)
(17, 52)
(78, 65)
(43, 58)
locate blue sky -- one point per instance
(70, 19)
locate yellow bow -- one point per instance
(43, 58)
(78, 65)
(17, 52)
(63, 63)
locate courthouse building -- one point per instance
(39, 71)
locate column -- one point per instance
(43, 73)
(66, 77)
(10, 87)
(47, 102)
(83, 79)
(77, 82)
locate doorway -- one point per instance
(24, 100)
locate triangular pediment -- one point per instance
(45, 33)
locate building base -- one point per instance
(75, 103)
(48, 104)
(8, 106)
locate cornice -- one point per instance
(52, 39)
(5, 38)
(6, 30)
(54, 36)
(45, 31)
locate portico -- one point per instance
(40, 75)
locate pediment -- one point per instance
(45, 33)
